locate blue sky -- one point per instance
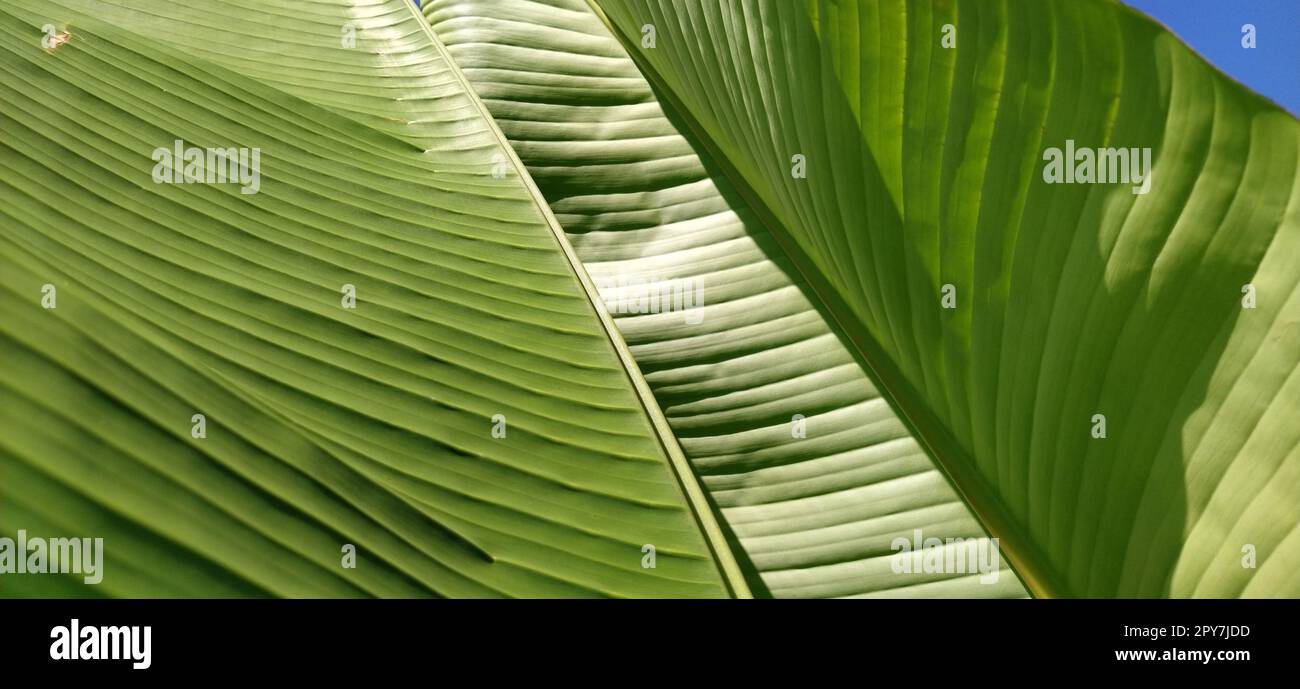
(1213, 29)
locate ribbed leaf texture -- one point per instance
(925, 168)
(814, 505)
(325, 426)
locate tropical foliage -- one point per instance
(410, 340)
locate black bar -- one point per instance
(331, 639)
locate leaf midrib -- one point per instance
(729, 569)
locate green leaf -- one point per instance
(325, 426)
(814, 515)
(925, 167)
(383, 169)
